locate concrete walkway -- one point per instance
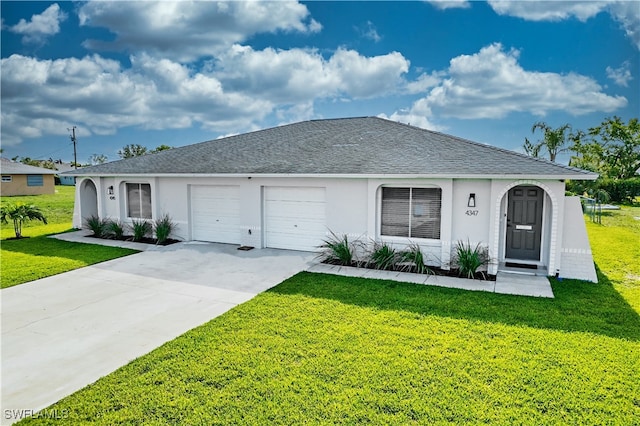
(64, 332)
(506, 283)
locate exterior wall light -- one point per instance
(110, 190)
(472, 200)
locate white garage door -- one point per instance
(215, 214)
(294, 218)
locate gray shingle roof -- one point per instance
(9, 167)
(348, 146)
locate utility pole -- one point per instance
(73, 139)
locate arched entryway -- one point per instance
(526, 225)
(88, 200)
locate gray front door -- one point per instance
(524, 223)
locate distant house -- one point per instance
(369, 178)
(65, 179)
(21, 179)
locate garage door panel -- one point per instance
(215, 213)
(295, 218)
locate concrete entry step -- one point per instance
(526, 285)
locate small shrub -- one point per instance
(115, 229)
(468, 259)
(337, 250)
(383, 256)
(141, 228)
(163, 228)
(414, 260)
(97, 226)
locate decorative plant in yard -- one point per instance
(384, 256)
(468, 259)
(115, 229)
(163, 228)
(413, 260)
(141, 228)
(19, 213)
(337, 250)
(98, 226)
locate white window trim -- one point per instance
(126, 198)
(7, 178)
(404, 240)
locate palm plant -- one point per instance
(554, 140)
(19, 213)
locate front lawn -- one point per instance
(38, 256)
(326, 349)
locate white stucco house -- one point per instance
(288, 186)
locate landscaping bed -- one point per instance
(410, 268)
(144, 240)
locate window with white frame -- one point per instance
(7, 178)
(139, 200)
(411, 212)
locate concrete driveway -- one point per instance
(64, 332)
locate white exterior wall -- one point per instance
(353, 208)
(576, 257)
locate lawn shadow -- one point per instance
(578, 305)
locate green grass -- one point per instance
(325, 349)
(39, 256)
(616, 251)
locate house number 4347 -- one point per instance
(472, 213)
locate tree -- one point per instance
(132, 150)
(18, 213)
(612, 149)
(554, 140)
(162, 147)
(97, 159)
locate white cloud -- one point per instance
(626, 12)
(235, 93)
(298, 75)
(424, 82)
(370, 32)
(620, 76)
(189, 30)
(40, 26)
(548, 10)
(42, 96)
(492, 84)
(450, 4)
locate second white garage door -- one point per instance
(215, 214)
(295, 217)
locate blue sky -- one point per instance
(178, 73)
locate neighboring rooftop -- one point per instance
(347, 146)
(8, 167)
